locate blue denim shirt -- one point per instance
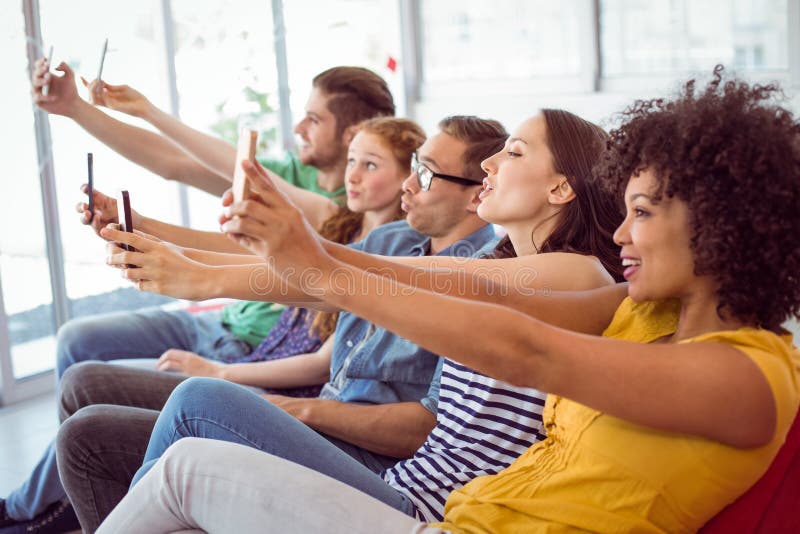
(371, 365)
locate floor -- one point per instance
(25, 430)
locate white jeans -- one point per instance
(202, 485)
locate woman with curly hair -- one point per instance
(669, 396)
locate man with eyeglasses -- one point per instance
(381, 398)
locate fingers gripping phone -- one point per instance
(246, 149)
(124, 216)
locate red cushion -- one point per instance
(771, 505)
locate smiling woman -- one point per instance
(739, 192)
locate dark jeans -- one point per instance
(124, 335)
(108, 413)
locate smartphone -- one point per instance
(46, 87)
(246, 149)
(90, 184)
(102, 63)
(124, 216)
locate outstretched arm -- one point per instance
(156, 266)
(396, 429)
(295, 371)
(215, 154)
(105, 212)
(150, 150)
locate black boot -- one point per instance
(57, 518)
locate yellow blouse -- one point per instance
(599, 473)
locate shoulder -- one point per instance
(777, 359)
(561, 271)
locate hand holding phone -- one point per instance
(246, 149)
(124, 216)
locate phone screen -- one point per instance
(124, 216)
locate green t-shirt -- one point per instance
(252, 321)
(303, 176)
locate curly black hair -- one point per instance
(733, 154)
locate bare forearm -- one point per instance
(396, 429)
(221, 258)
(254, 282)
(296, 371)
(519, 283)
(450, 278)
(147, 149)
(215, 154)
(188, 237)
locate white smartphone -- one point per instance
(246, 149)
(46, 87)
(102, 63)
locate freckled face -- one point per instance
(373, 176)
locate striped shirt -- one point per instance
(482, 425)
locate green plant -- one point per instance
(261, 118)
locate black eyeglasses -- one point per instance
(425, 176)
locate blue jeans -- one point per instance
(124, 335)
(194, 410)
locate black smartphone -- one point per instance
(90, 182)
(124, 216)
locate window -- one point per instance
(91, 286)
(475, 40)
(226, 77)
(320, 35)
(23, 253)
(642, 37)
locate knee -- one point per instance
(180, 459)
(77, 379)
(198, 391)
(72, 341)
(203, 398)
(72, 434)
(190, 447)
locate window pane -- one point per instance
(27, 298)
(665, 36)
(499, 40)
(134, 57)
(321, 35)
(227, 78)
